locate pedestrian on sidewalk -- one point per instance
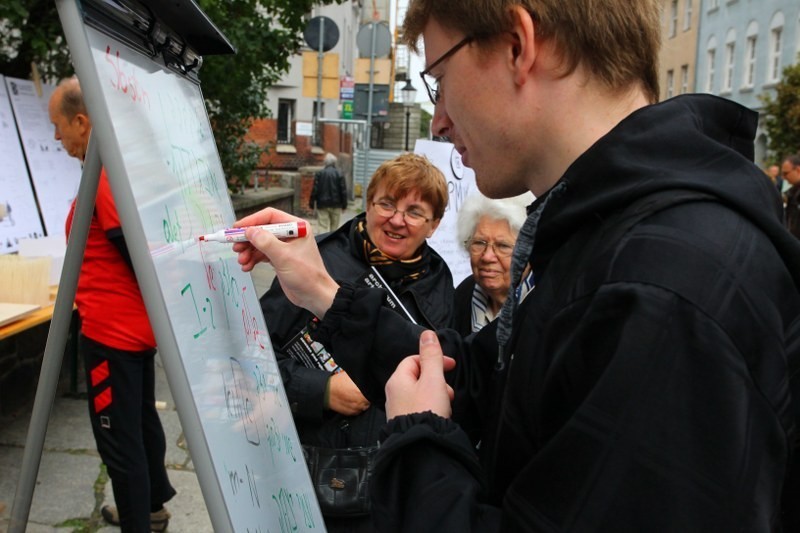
(329, 195)
(117, 346)
(790, 169)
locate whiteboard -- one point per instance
(16, 195)
(460, 184)
(54, 173)
(156, 143)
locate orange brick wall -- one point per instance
(264, 133)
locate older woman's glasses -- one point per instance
(431, 83)
(478, 248)
(412, 216)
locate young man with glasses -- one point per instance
(649, 381)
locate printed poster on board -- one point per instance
(460, 184)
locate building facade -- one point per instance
(679, 29)
(292, 135)
(743, 47)
(286, 103)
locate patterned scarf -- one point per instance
(521, 275)
(481, 313)
(393, 270)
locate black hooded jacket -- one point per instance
(645, 384)
(426, 299)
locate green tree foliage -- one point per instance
(30, 32)
(424, 124)
(265, 33)
(782, 115)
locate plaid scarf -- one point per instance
(393, 270)
(521, 276)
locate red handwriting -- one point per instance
(250, 323)
(126, 83)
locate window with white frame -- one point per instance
(670, 83)
(713, 4)
(775, 48)
(673, 18)
(711, 57)
(730, 60)
(285, 118)
(749, 71)
(727, 81)
(687, 15)
(797, 33)
(684, 79)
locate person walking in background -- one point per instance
(790, 169)
(488, 230)
(329, 195)
(117, 346)
(406, 199)
(774, 174)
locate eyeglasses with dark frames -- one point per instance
(412, 217)
(432, 86)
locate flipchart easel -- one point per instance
(137, 62)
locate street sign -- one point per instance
(347, 92)
(382, 39)
(347, 109)
(380, 102)
(321, 25)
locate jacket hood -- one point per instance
(698, 143)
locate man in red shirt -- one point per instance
(117, 345)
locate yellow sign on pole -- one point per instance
(330, 75)
(382, 74)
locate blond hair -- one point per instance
(617, 41)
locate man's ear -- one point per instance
(523, 43)
(83, 122)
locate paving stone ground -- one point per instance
(72, 486)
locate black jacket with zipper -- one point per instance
(427, 299)
(329, 189)
(651, 375)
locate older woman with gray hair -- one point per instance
(488, 229)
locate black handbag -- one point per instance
(341, 478)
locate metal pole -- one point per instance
(56, 341)
(365, 178)
(320, 61)
(408, 117)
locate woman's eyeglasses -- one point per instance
(412, 216)
(478, 248)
